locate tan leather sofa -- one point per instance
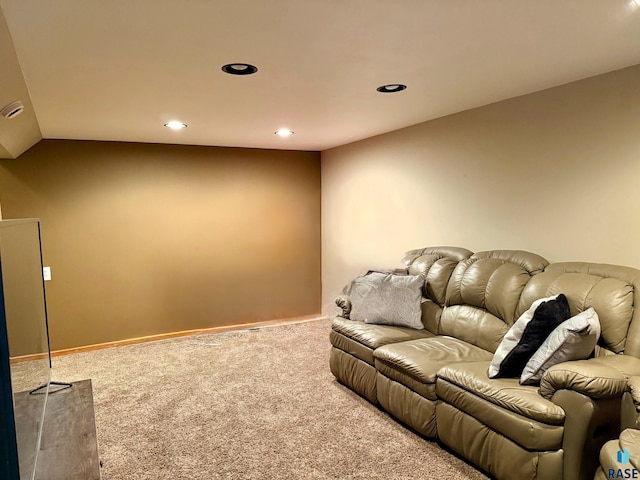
(435, 380)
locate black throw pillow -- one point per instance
(545, 319)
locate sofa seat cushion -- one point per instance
(415, 363)
(503, 392)
(529, 434)
(360, 339)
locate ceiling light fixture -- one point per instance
(12, 110)
(239, 69)
(175, 125)
(391, 88)
(284, 132)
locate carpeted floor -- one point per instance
(251, 404)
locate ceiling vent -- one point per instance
(12, 110)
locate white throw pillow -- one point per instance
(387, 299)
(574, 339)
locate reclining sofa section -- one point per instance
(435, 380)
(353, 343)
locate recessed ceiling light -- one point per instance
(175, 125)
(239, 69)
(284, 132)
(391, 88)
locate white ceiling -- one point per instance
(120, 69)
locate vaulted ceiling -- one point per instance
(120, 69)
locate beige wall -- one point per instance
(148, 239)
(556, 172)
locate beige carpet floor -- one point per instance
(251, 404)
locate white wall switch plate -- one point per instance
(46, 273)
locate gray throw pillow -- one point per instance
(388, 299)
(573, 339)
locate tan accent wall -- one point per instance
(555, 172)
(148, 239)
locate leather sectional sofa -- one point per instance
(435, 379)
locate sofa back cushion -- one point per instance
(483, 295)
(455, 253)
(611, 290)
(436, 265)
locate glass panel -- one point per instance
(25, 312)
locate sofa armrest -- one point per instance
(630, 412)
(588, 377)
(634, 387)
(344, 303)
(588, 425)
